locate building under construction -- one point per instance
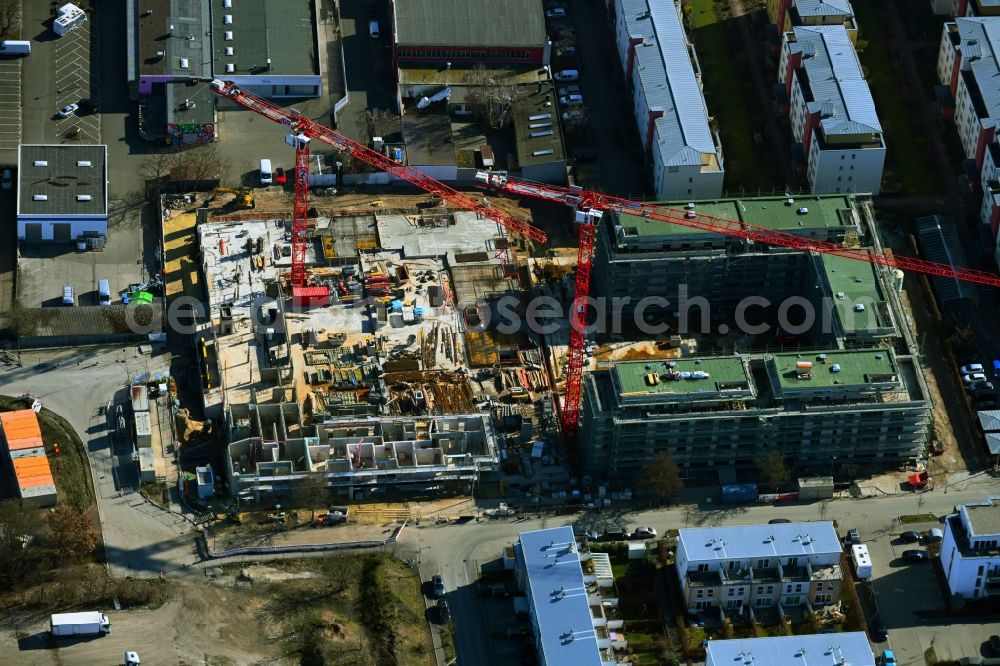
(275, 449)
(845, 396)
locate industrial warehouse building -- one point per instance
(62, 192)
(845, 394)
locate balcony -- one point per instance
(704, 578)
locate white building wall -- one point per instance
(684, 182)
(78, 228)
(851, 170)
(962, 573)
(796, 115)
(946, 57)
(640, 108)
(966, 119)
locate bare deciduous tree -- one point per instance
(155, 170)
(496, 93)
(661, 478)
(72, 531)
(14, 522)
(772, 469)
(381, 122)
(10, 11)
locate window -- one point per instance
(701, 593)
(823, 598)
(982, 568)
(741, 590)
(770, 589)
(763, 564)
(733, 565)
(792, 561)
(690, 180)
(702, 567)
(711, 593)
(853, 155)
(798, 587)
(732, 591)
(979, 581)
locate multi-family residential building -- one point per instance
(786, 14)
(966, 7)
(833, 411)
(571, 598)
(831, 110)
(850, 647)
(759, 566)
(675, 128)
(970, 551)
(275, 448)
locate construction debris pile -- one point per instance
(429, 393)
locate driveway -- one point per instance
(370, 79)
(140, 539)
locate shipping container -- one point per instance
(90, 623)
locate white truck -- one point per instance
(862, 561)
(90, 623)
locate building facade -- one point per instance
(62, 193)
(573, 611)
(849, 647)
(786, 14)
(970, 550)
(675, 128)
(737, 569)
(831, 110)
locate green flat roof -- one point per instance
(857, 281)
(768, 212)
(857, 368)
(632, 375)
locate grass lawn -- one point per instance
(907, 149)
(918, 518)
(727, 89)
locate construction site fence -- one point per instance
(209, 553)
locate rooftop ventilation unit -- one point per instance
(40, 197)
(541, 133)
(83, 163)
(40, 163)
(230, 68)
(539, 153)
(227, 4)
(228, 19)
(228, 35)
(83, 197)
(184, 63)
(230, 51)
(161, 54)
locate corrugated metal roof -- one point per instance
(824, 7)
(850, 648)
(839, 89)
(667, 77)
(706, 544)
(940, 242)
(989, 419)
(464, 23)
(980, 46)
(559, 597)
(993, 442)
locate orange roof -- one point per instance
(35, 481)
(31, 466)
(21, 429)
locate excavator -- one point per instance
(244, 196)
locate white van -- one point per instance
(266, 174)
(373, 29)
(567, 75)
(103, 292)
(69, 297)
(14, 47)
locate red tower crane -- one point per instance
(585, 202)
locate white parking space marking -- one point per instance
(73, 83)
(10, 104)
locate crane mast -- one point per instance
(300, 209)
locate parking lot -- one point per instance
(912, 606)
(72, 62)
(10, 109)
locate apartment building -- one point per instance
(846, 412)
(831, 110)
(970, 551)
(759, 566)
(786, 14)
(571, 599)
(677, 134)
(966, 7)
(850, 647)
(275, 448)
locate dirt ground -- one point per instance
(279, 614)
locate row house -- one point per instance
(759, 566)
(831, 111)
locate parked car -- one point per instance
(88, 105)
(68, 110)
(916, 556)
(280, 176)
(971, 369)
(995, 645)
(887, 659)
(574, 115)
(569, 90)
(644, 532)
(437, 586)
(778, 521)
(934, 535)
(853, 537)
(567, 75)
(615, 534)
(8, 179)
(877, 630)
(910, 536)
(571, 100)
(444, 613)
(974, 377)
(555, 12)
(566, 51)
(592, 535)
